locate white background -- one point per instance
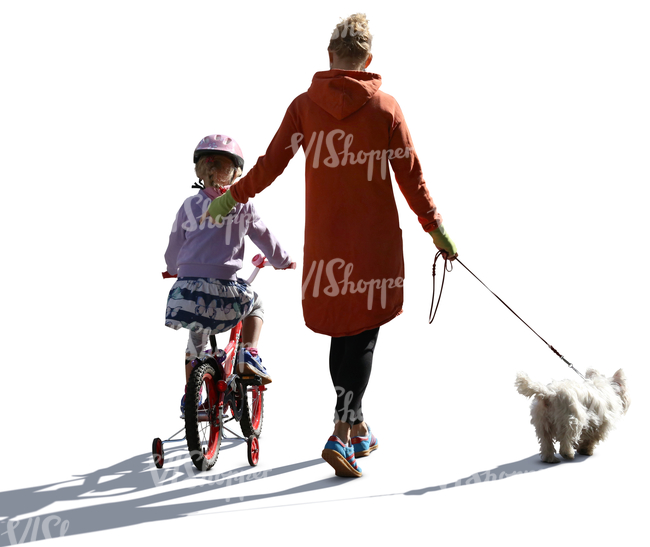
(531, 121)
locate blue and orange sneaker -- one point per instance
(363, 446)
(341, 458)
(252, 364)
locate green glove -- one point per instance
(221, 206)
(443, 242)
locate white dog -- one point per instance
(577, 414)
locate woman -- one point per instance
(353, 270)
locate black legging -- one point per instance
(350, 366)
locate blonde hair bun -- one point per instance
(351, 38)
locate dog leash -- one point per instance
(444, 272)
(431, 318)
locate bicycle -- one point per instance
(214, 388)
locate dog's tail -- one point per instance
(528, 387)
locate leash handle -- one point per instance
(433, 296)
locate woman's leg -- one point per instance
(350, 367)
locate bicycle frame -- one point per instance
(228, 359)
(230, 389)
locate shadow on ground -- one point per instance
(161, 495)
(137, 479)
(527, 465)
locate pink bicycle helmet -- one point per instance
(220, 144)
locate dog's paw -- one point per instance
(567, 451)
(586, 451)
(549, 458)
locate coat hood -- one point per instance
(343, 92)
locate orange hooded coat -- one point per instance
(353, 263)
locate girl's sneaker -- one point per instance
(363, 446)
(341, 458)
(252, 364)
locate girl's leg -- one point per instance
(250, 335)
(196, 345)
(252, 321)
(350, 367)
(251, 330)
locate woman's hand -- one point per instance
(219, 208)
(446, 256)
(443, 243)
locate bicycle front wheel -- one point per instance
(253, 414)
(203, 417)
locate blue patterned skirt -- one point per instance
(216, 305)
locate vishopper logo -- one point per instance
(346, 155)
(345, 285)
(18, 531)
(173, 474)
(348, 28)
(485, 476)
(241, 221)
(346, 414)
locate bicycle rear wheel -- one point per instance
(203, 417)
(253, 412)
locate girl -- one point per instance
(353, 268)
(208, 297)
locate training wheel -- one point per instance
(158, 453)
(253, 450)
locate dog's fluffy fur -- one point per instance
(576, 414)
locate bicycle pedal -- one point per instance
(252, 380)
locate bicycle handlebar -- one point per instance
(259, 261)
